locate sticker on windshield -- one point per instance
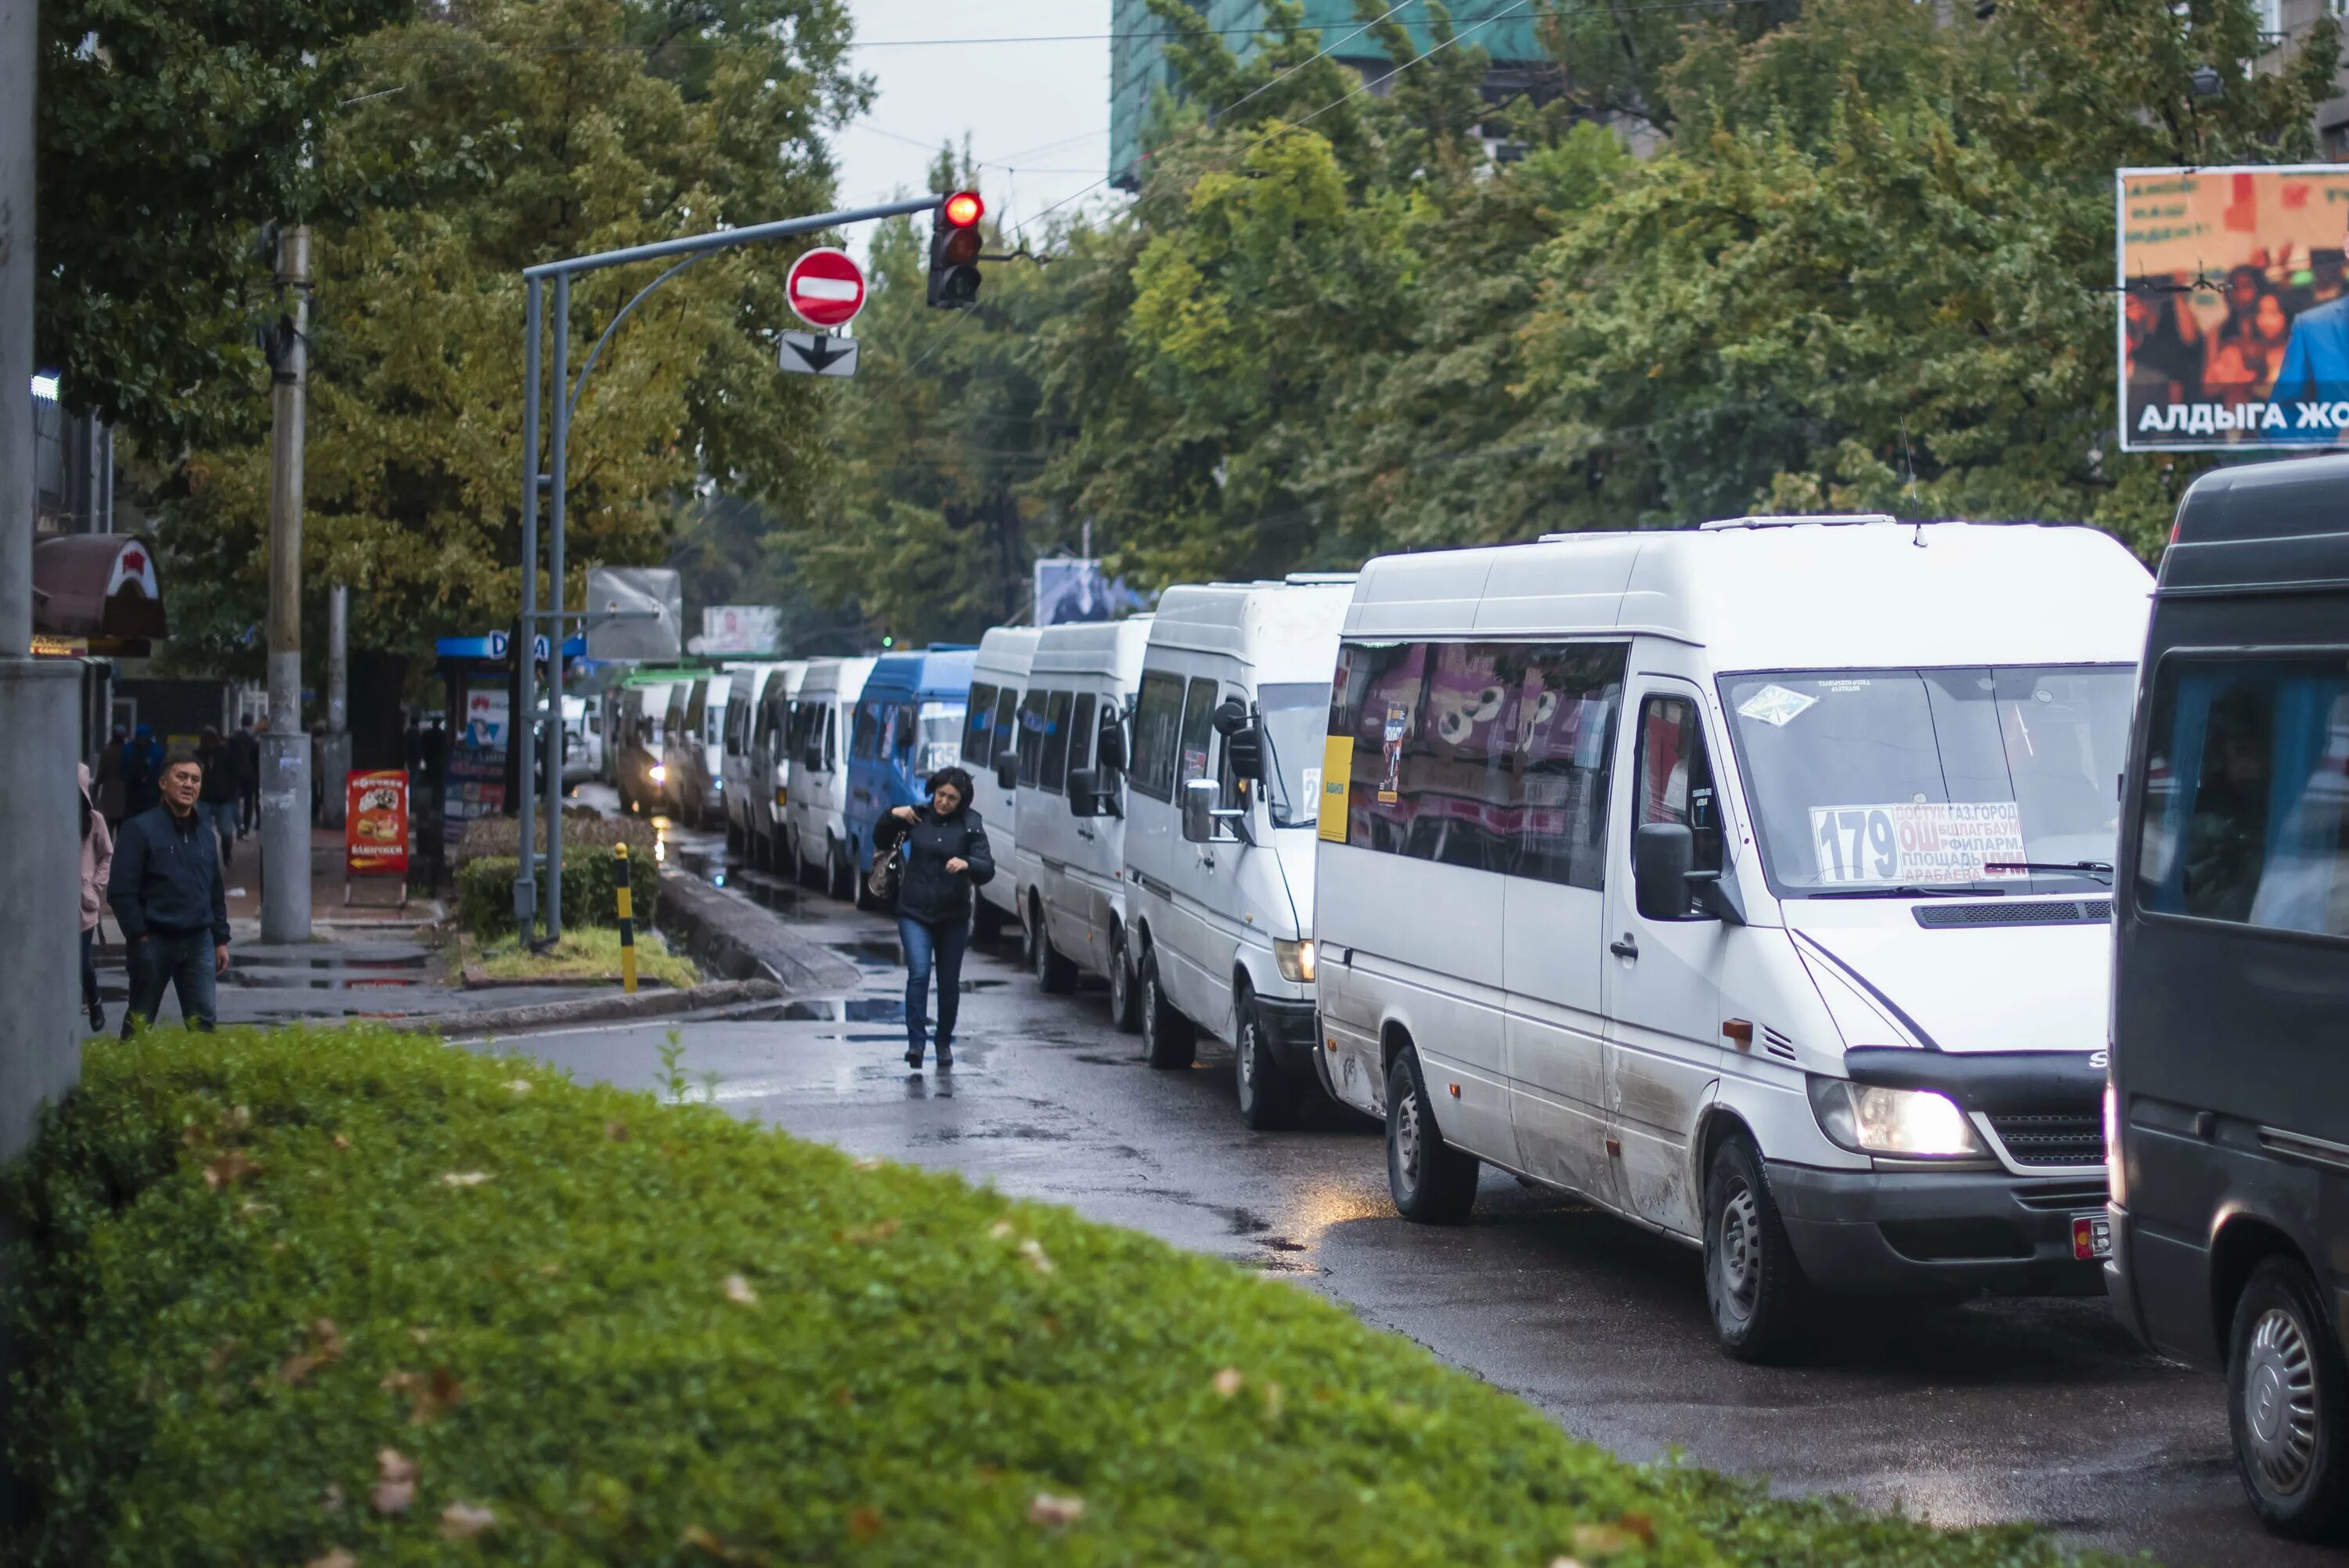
(1776, 706)
(1923, 842)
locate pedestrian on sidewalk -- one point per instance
(945, 856)
(167, 897)
(142, 766)
(244, 751)
(218, 800)
(97, 865)
(109, 777)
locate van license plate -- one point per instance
(2092, 1235)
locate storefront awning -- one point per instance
(98, 592)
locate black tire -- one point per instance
(735, 841)
(1753, 1281)
(986, 919)
(842, 874)
(1168, 1040)
(1431, 1183)
(1124, 996)
(1055, 974)
(2286, 1394)
(1268, 1096)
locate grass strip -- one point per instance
(337, 1296)
(584, 952)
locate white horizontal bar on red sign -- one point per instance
(827, 288)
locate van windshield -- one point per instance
(1295, 716)
(940, 745)
(1865, 782)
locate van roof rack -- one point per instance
(1310, 579)
(1829, 519)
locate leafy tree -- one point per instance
(170, 131)
(550, 128)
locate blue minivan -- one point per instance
(909, 725)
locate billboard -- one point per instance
(1074, 588)
(739, 629)
(2233, 310)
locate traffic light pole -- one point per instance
(565, 397)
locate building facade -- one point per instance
(1504, 29)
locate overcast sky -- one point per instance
(1036, 114)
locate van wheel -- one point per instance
(1431, 1183)
(1056, 975)
(1268, 1096)
(1168, 1040)
(1124, 1009)
(2285, 1396)
(843, 882)
(734, 837)
(986, 919)
(1752, 1280)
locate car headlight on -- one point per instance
(1912, 1123)
(1295, 960)
(660, 773)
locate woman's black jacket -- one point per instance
(927, 892)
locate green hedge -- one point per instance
(584, 829)
(591, 884)
(293, 1295)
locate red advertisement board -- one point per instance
(374, 823)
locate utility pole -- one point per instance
(39, 698)
(285, 750)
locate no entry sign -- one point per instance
(826, 287)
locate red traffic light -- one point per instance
(963, 209)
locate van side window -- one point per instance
(1198, 711)
(1676, 776)
(1157, 715)
(1566, 722)
(1032, 738)
(831, 739)
(1055, 764)
(978, 725)
(864, 732)
(2245, 808)
(901, 734)
(1080, 733)
(1007, 709)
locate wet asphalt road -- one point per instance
(1996, 1410)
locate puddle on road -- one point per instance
(863, 1040)
(872, 952)
(260, 980)
(849, 1010)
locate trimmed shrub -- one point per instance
(289, 1296)
(583, 828)
(591, 885)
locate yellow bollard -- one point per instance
(628, 926)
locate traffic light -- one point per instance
(953, 250)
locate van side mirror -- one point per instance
(1204, 821)
(1007, 771)
(1084, 793)
(1110, 751)
(1666, 886)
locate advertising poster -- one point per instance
(374, 823)
(487, 709)
(1074, 588)
(739, 629)
(1337, 772)
(2234, 313)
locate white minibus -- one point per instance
(766, 769)
(1070, 858)
(1220, 800)
(738, 794)
(999, 678)
(816, 781)
(1751, 882)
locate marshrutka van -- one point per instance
(1220, 800)
(999, 678)
(1753, 882)
(1069, 857)
(816, 780)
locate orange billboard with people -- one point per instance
(2234, 308)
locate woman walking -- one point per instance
(96, 865)
(945, 856)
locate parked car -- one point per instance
(997, 680)
(580, 744)
(1068, 770)
(816, 782)
(1751, 882)
(738, 792)
(2228, 1128)
(909, 725)
(1220, 803)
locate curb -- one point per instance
(594, 1009)
(733, 937)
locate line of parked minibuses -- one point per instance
(1761, 884)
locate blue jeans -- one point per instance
(928, 946)
(180, 960)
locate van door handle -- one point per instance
(1625, 946)
(1206, 860)
(1084, 832)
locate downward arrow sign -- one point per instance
(817, 354)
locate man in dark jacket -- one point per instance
(168, 898)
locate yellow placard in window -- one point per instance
(1337, 775)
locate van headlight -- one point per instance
(660, 773)
(1913, 1123)
(1296, 961)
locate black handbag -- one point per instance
(888, 871)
